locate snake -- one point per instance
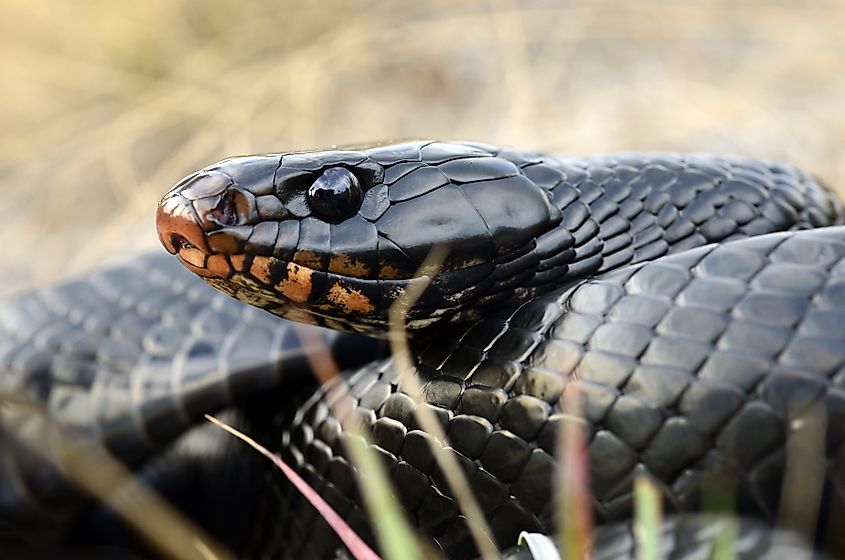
(693, 303)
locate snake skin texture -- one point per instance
(694, 369)
(133, 356)
(696, 364)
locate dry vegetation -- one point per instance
(105, 105)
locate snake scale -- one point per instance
(696, 303)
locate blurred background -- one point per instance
(105, 105)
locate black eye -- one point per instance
(335, 195)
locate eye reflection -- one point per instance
(335, 195)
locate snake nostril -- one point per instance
(180, 243)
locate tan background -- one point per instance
(105, 104)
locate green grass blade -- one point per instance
(394, 534)
(647, 520)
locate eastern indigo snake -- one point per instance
(697, 302)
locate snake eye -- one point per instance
(335, 195)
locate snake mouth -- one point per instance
(288, 285)
(189, 254)
(304, 294)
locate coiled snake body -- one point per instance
(695, 302)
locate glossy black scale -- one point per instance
(659, 382)
(354, 236)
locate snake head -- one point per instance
(335, 237)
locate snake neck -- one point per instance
(629, 208)
(625, 209)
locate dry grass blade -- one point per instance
(574, 510)
(161, 88)
(90, 467)
(350, 538)
(393, 532)
(805, 471)
(426, 419)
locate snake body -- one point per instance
(696, 303)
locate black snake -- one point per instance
(696, 302)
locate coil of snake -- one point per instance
(697, 303)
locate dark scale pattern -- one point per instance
(133, 355)
(680, 201)
(666, 390)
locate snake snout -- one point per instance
(208, 203)
(178, 226)
(181, 232)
